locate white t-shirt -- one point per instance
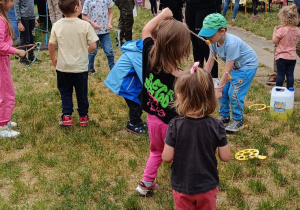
(73, 37)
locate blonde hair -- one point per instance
(171, 47)
(289, 15)
(195, 94)
(3, 14)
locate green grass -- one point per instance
(99, 167)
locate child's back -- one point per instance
(72, 36)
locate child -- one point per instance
(25, 16)
(72, 36)
(54, 11)
(254, 7)
(139, 4)
(192, 140)
(153, 4)
(160, 69)
(7, 92)
(100, 14)
(125, 79)
(285, 37)
(240, 62)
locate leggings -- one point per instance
(254, 5)
(153, 7)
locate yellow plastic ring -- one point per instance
(264, 106)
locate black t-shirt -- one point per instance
(194, 168)
(158, 89)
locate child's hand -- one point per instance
(95, 25)
(167, 13)
(21, 53)
(109, 27)
(54, 62)
(36, 23)
(20, 27)
(218, 93)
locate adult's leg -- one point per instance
(80, 82)
(135, 112)
(65, 87)
(226, 4)
(92, 55)
(107, 48)
(236, 8)
(31, 37)
(121, 27)
(254, 6)
(128, 23)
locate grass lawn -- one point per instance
(99, 167)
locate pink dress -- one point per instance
(286, 48)
(7, 92)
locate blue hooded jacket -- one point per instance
(125, 79)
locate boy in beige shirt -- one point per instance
(75, 39)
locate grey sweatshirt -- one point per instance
(24, 9)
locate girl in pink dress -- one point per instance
(7, 92)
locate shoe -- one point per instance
(225, 120)
(138, 128)
(144, 124)
(24, 61)
(272, 79)
(12, 124)
(84, 120)
(5, 132)
(66, 120)
(235, 126)
(91, 71)
(254, 17)
(233, 19)
(143, 189)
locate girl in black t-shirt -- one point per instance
(161, 59)
(192, 140)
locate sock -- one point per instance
(148, 184)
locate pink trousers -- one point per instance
(157, 130)
(7, 92)
(205, 201)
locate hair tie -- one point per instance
(194, 67)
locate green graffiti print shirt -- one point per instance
(158, 89)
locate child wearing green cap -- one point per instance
(240, 63)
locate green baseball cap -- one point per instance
(211, 24)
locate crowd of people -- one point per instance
(178, 102)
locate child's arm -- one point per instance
(151, 25)
(210, 63)
(275, 39)
(168, 154)
(223, 81)
(53, 58)
(224, 153)
(93, 24)
(18, 15)
(110, 18)
(92, 47)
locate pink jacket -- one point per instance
(5, 39)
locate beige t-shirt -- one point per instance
(73, 37)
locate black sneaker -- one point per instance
(225, 120)
(24, 61)
(91, 71)
(138, 128)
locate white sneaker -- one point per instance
(5, 132)
(12, 124)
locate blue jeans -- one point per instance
(285, 68)
(13, 21)
(235, 9)
(241, 80)
(107, 48)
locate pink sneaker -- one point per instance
(143, 190)
(254, 17)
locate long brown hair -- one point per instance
(3, 14)
(171, 47)
(195, 94)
